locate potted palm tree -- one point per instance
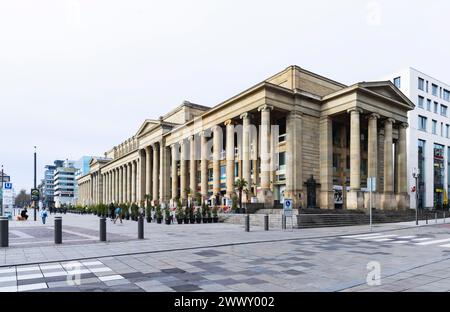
(167, 215)
(215, 215)
(179, 214)
(234, 203)
(240, 185)
(205, 209)
(148, 214)
(134, 212)
(198, 215)
(159, 215)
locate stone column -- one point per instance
(183, 170)
(217, 151)
(111, 185)
(164, 172)
(155, 183)
(402, 172)
(142, 172)
(133, 181)
(174, 171)
(204, 166)
(355, 149)
(192, 167)
(373, 147)
(254, 156)
(148, 171)
(326, 162)
(388, 162)
(119, 185)
(402, 175)
(230, 157)
(388, 198)
(354, 198)
(265, 195)
(124, 184)
(129, 183)
(246, 168)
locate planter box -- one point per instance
(215, 219)
(198, 220)
(159, 220)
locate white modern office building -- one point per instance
(428, 136)
(64, 184)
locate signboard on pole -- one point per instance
(287, 208)
(372, 184)
(34, 194)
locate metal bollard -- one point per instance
(444, 216)
(58, 230)
(247, 223)
(435, 217)
(426, 217)
(266, 222)
(4, 232)
(141, 227)
(283, 222)
(103, 229)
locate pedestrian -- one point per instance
(118, 214)
(111, 212)
(43, 215)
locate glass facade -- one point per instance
(421, 182)
(439, 167)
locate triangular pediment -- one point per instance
(147, 126)
(387, 89)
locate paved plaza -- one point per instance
(224, 258)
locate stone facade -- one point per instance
(276, 135)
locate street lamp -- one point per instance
(416, 174)
(35, 202)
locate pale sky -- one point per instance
(79, 76)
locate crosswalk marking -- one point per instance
(383, 240)
(376, 237)
(396, 239)
(422, 239)
(439, 241)
(361, 235)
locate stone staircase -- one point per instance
(315, 218)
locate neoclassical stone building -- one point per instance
(294, 129)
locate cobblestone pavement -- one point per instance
(223, 258)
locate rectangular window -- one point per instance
(447, 131)
(397, 82)
(436, 104)
(421, 101)
(429, 105)
(427, 87)
(446, 95)
(421, 84)
(433, 126)
(444, 110)
(442, 129)
(282, 159)
(434, 89)
(422, 123)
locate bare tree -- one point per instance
(23, 199)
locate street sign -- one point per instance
(7, 186)
(34, 194)
(287, 207)
(372, 184)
